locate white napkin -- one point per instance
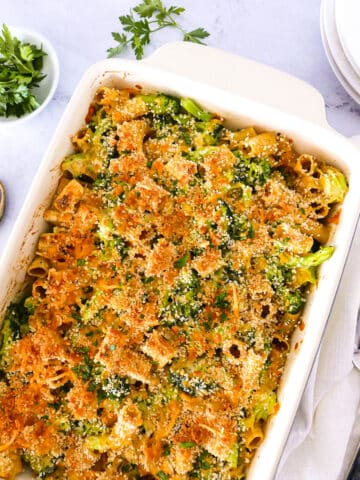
(353, 445)
(318, 440)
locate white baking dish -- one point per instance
(245, 93)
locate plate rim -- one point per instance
(341, 30)
(329, 47)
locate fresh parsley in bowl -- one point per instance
(29, 73)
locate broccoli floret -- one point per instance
(191, 107)
(276, 273)
(86, 428)
(108, 241)
(101, 443)
(161, 104)
(229, 274)
(294, 301)
(221, 301)
(103, 181)
(19, 313)
(279, 277)
(251, 171)
(191, 385)
(29, 305)
(121, 246)
(103, 127)
(79, 165)
(312, 259)
(192, 377)
(209, 132)
(265, 406)
(240, 191)
(334, 184)
(15, 325)
(249, 337)
(115, 387)
(233, 456)
(84, 370)
(239, 227)
(42, 465)
(194, 133)
(6, 338)
(62, 422)
(199, 154)
(105, 231)
(204, 466)
(305, 272)
(182, 303)
(90, 312)
(184, 309)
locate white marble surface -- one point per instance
(282, 33)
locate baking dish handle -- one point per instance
(242, 76)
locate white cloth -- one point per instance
(317, 445)
(353, 445)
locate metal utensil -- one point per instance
(356, 357)
(2, 200)
(354, 470)
(354, 473)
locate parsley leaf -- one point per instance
(122, 44)
(20, 71)
(181, 262)
(187, 444)
(221, 301)
(196, 36)
(148, 7)
(161, 475)
(145, 19)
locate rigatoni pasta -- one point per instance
(38, 268)
(177, 267)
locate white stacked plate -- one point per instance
(340, 31)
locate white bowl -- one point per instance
(46, 89)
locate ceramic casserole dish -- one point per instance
(244, 93)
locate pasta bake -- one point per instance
(165, 295)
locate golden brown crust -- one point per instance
(158, 331)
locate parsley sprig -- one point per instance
(20, 70)
(150, 16)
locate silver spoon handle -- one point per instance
(2, 200)
(354, 472)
